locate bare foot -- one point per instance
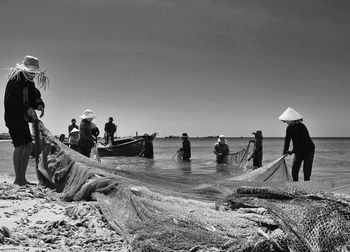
(30, 183)
(20, 183)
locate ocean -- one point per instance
(331, 161)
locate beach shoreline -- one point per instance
(33, 218)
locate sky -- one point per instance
(205, 67)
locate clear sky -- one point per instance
(205, 67)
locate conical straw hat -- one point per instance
(74, 130)
(290, 115)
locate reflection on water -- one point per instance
(184, 166)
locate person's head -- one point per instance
(258, 134)
(110, 119)
(73, 121)
(222, 139)
(290, 116)
(29, 68)
(74, 131)
(184, 136)
(62, 137)
(88, 115)
(293, 122)
(147, 137)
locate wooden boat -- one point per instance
(122, 147)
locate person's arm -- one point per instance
(216, 150)
(13, 101)
(35, 100)
(106, 128)
(227, 150)
(287, 142)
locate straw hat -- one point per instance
(88, 114)
(30, 64)
(73, 130)
(290, 115)
(184, 135)
(222, 139)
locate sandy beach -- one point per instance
(33, 218)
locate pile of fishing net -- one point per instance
(313, 221)
(152, 218)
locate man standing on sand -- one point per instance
(20, 101)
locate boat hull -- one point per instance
(126, 147)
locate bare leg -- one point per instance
(20, 162)
(26, 154)
(17, 163)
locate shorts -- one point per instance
(20, 134)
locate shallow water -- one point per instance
(331, 161)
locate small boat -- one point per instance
(127, 146)
(122, 147)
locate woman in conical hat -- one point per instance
(303, 146)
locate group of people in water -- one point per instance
(22, 98)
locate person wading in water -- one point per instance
(303, 146)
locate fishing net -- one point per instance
(153, 217)
(272, 172)
(239, 158)
(313, 221)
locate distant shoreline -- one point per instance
(245, 137)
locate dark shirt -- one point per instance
(258, 147)
(20, 95)
(71, 127)
(186, 146)
(110, 128)
(95, 131)
(148, 150)
(300, 137)
(223, 149)
(85, 135)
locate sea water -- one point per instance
(331, 160)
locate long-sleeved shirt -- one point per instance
(85, 135)
(223, 149)
(20, 95)
(186, 146)
(300, 137)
